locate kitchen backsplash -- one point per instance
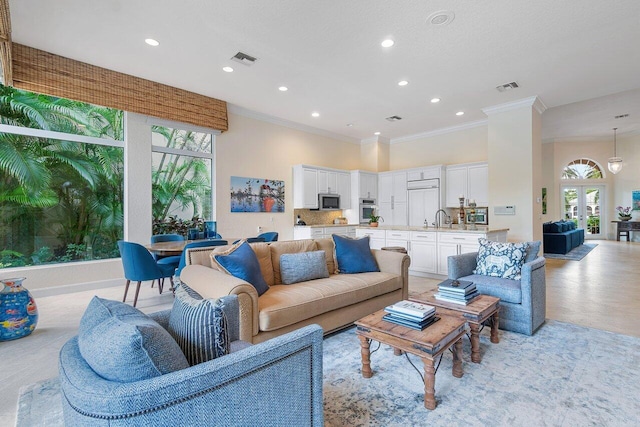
(316, 217)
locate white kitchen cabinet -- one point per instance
(431, 172)
(327, 182)
(397, 238)
(320, 232)
(423, 205)
(368, 185)
(344, 189)
(305, 187)
(376, 237)
(452, 243)
(423, 252)
(392, 197)
(471, 180)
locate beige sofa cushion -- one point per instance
(328, 247)
(288, 247)
(285, 305)
(264, 258)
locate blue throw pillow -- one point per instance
(240, 261)
(120, 343)
(532, 251)
(500, 259)
(354, 255)
(303, 266)
(199, 326)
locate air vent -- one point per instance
(621, 116)
(507, 86)
(244, 59)
(393, 118)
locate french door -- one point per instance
(582, 204)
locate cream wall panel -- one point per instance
(464, 146)
(259, 149)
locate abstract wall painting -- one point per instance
(256, 195)
(635, 200)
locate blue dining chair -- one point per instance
(251, 240)
(198, 244)
(269, 236)
(173, 260)
(140, 266)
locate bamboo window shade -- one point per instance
(43, 72)
(5, 42)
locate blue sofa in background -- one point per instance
(560, 237)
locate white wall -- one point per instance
(258, 149)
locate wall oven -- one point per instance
(366, 209)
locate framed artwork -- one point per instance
(256, 195)
(544, 200)
(635, 200)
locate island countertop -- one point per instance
(454, 229)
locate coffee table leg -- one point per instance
(397, 352)
(457, 359)
(495, 321)
(429, 384)
(475, 342)
(365, 353)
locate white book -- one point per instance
(412, 308)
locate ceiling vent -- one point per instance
(621, 116)
(394, 118)
(244, 59)
(507, 86)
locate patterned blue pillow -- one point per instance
(241, 261)
(354, 255)
(122, 344)
(199, 326)
(501, 259)
(303, 266)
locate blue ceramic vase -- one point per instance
(18, 311)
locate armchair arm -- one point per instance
(534, 289)
(395, 263)
(461, 265)
(237, 389)
(212, 283)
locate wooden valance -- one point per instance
(43, 72)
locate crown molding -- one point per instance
(532, 101)
(451, 129)
(241, 111)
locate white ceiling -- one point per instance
(328, 53)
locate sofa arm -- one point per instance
(212, 283)
(236, 389)
(461, 265)
(394, 263)
(534, 291)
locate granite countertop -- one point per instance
(453, 229)
(328, 225)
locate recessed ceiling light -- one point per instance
(435, 100)
(387, 43)
(459, 113)
(151, 42)
(315, 114)
(403, 83)
(227, 69)
(349, 125)
(283, 88)
(376, 133)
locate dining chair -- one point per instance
(199, 244)
(269, 236)
(252, 240)
(140, 266)
(173, 260)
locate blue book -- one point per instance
(457, 286)
(413, 325)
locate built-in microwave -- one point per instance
(328, 202)
(367, 208)
(482, 216)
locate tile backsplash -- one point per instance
(316, 217)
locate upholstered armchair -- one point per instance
(277, 382)
(522, 302)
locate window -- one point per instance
(582, 169)
(181, 176)
(61, 175)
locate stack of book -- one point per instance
(457, 291)
(411, 314)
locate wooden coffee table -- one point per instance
(476, 313)
(427, 344)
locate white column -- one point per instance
(137, 179)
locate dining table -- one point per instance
(176, 247)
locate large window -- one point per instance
(582, 169)
(181, 177)
(61, 179)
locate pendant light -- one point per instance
(615, 162)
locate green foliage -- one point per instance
(175, 225)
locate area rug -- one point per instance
(564, 375)
(575, 254)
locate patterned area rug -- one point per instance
(564, 375)
(575, 254)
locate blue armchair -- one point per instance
(522, 302)
(277, 382)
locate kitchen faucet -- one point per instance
(446, 218)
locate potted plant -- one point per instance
(624, 213)
(374, 220)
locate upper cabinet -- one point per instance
(344, 189)
(305, 187)
(368, 185)
(392, 197)
(430, 172)
(470, 180)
